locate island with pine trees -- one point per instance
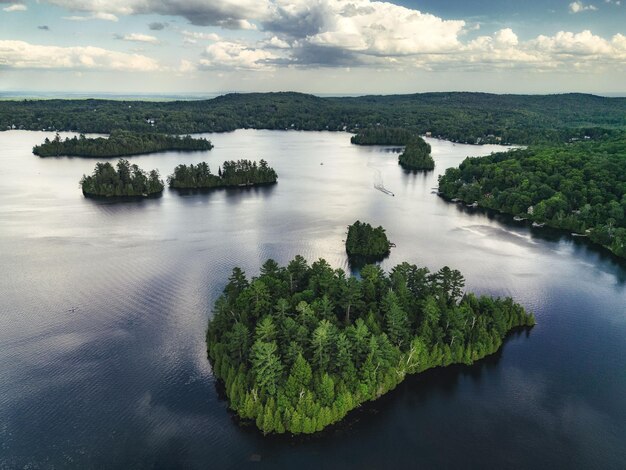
(383, 136)
(367, 242)
(122, 181)
(120, 143)
(230, 174)
(300, 346)
(416, 155)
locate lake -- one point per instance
(105, 306)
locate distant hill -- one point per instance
(461, 117)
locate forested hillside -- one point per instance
(579, 187)
(463, 117)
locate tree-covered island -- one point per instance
(231, 173)
(120, 143)
(383, 136)
(367, 242)
(580, 187)
(300, 346)
(127, 181)
(416, 155)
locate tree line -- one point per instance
(300, 346)
(580, 187)
(459, 117)
(119, 143)
(231, 173)
(123, 180)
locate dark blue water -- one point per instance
(123, 380)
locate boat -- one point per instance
(456, 199)
(381, 188)
(538, 225)
(517, 218)
(473, 205)
(574, 234)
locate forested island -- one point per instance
(416, 155)
(300, 346)
(580, 187)
(127, 181)
(382, 136)
(365, 241)
(460, 117)
(119, 144)
(231, 173)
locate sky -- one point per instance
(314, 46)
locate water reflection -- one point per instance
(124, 382)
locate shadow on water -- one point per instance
(356, 263)
(581, 245)
(233, 195)
(122, 199)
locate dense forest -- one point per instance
(363, 240)
(382, 136)
(127, 180)
(460, 117)
(416, 155)
(231, 173)
(120, 143)
(300, 346)
(580, 187)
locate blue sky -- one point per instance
(318, 46)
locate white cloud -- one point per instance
(23, 55)
(506, 37)
(138, 37)
(577, 7)
(195, 36)
(15, 7)
(226, 54)
(277, 43)
(230, 14)
(366, 27)
(94, 16)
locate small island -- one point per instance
(300, 346)
(416, 156)
(383, 136)
(365, 241)
(119, 144)
(231, 173)
(127, 181)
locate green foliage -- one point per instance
(460, 117)
(308, 363)
(231, 173)
(127, 180)
(382, 136)
(119, 144)
(416, 155)
(580, 187)
(365, 240)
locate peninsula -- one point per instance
(119, 144)
(579, 187)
